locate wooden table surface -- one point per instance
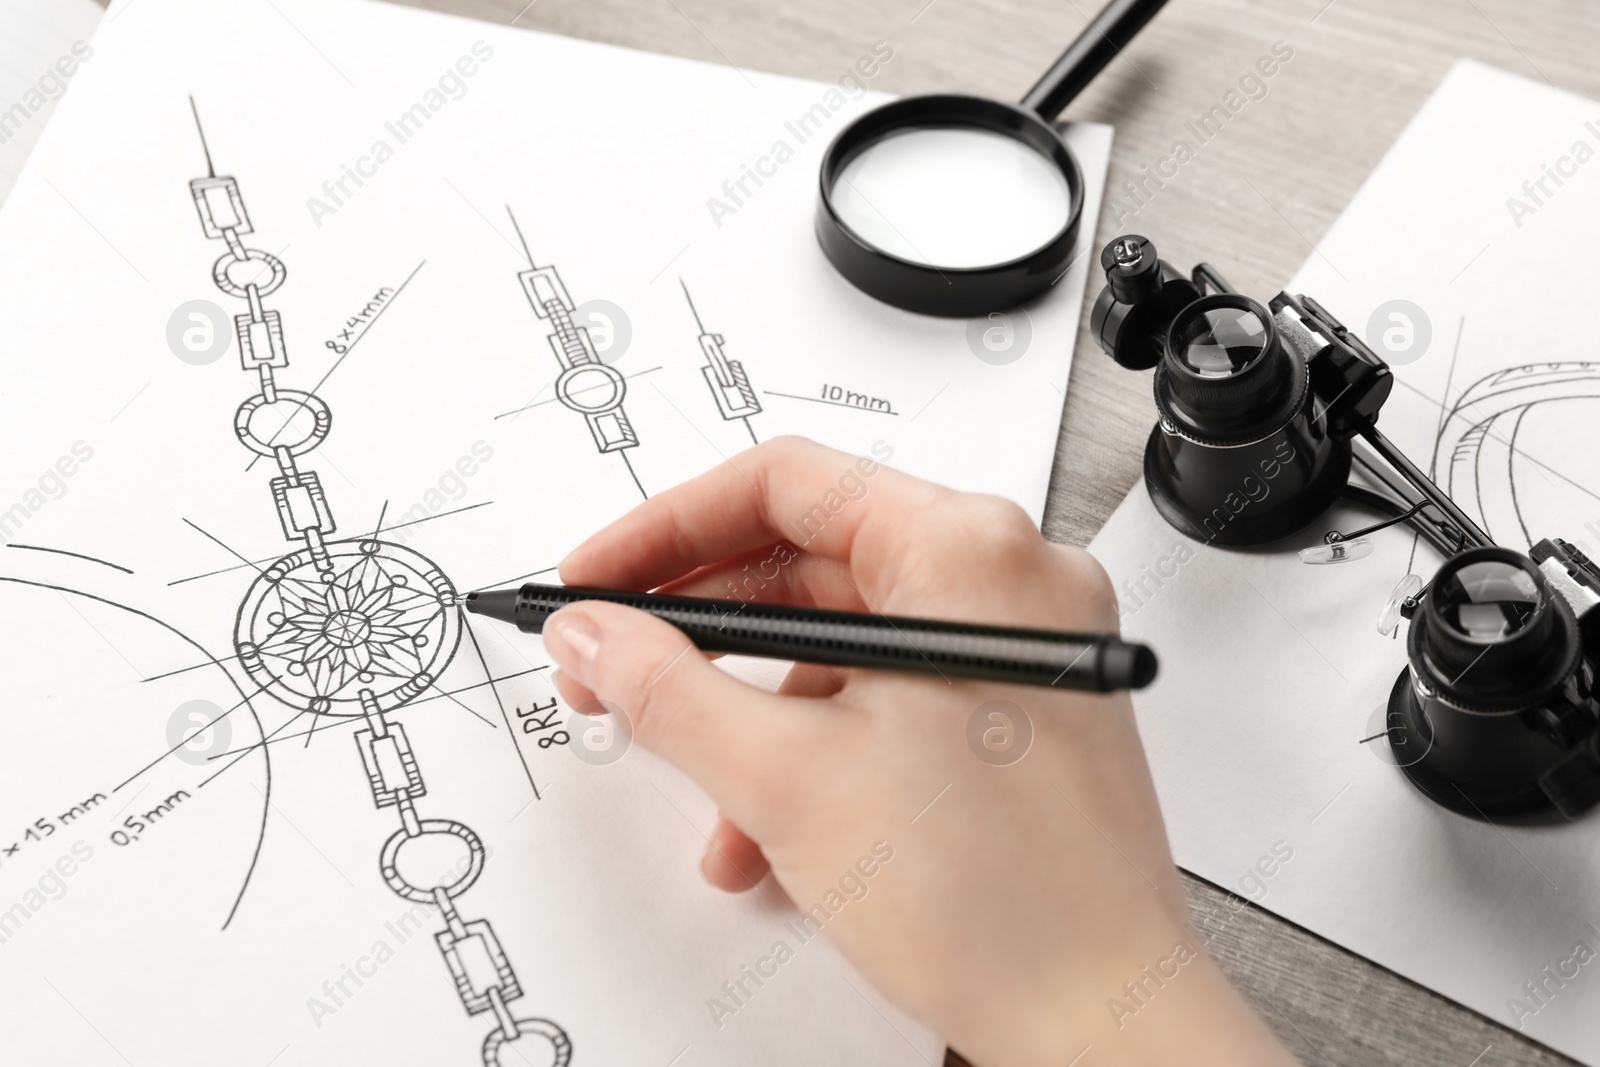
(1253, 202)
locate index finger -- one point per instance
(788, 489)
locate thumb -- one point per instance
(721, 732)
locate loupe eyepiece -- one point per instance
(1258, 404)
(1497, 694)
(1491, 633)
(1225, 378)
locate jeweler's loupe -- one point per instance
(957, 205)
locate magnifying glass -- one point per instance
(959, 206)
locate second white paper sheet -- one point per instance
(1485, 219)
(43, 45)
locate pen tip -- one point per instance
(493, 603)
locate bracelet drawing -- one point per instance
(358, 629)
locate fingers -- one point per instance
(1097, 597)
(577, 697)
(813, 680)
(718, 730)
(732, 861)
(775, 574)
(788, 489)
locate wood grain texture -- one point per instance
(1253, 201)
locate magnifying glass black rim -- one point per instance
(953, 292)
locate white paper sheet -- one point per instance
(43, 44)
(239, 914)
(1273, 672)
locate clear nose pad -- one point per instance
(1405, 591)
(1337, 551)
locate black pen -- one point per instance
(1101, 663)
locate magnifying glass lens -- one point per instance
(1488, 600)
(1218, 342)
(953, 197)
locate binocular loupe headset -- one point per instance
(1495, 715)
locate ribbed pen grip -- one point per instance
(1095, 662)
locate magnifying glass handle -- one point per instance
(1117, 24)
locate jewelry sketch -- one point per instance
(360, 628)
(730, 386)
(1479, 438)
(587, 384)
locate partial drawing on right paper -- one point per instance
(1478, 439)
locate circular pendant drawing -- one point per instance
(381, 624)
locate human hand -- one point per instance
(1008, 900)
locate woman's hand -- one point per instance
(1003, 890)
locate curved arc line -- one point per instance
(1511, 472)
(1502, 386)
(1492, 397)
(266, 759)
(74, 555)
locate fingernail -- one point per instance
(708, 858)
(573, 641)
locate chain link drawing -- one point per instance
(587, 384)
(730, 386)
(361, 627)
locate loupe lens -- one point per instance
(1487, 601)
(955, 197)
(1226, 378)
(1221, 341)
(1494, 634)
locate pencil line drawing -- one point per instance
(257, 564)
(555, 400)
(209, 660)
(74, 555)
(854, 401)
(587, 384)
(357, 629)
(1479, 436)
(730, 386)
